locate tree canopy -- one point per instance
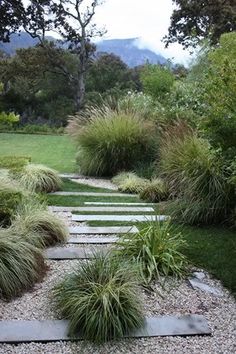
(194, 20)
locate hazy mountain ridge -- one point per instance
(126, 49)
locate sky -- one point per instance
(145, 19)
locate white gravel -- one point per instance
(96, 182)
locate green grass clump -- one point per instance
(11, 195)
(39, 226)
(21, 265)
(110, 141)
(156, 248)
(129, 182)
(39, 178)
(100, 299)
(155, 191)
(197, 178)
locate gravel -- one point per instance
(96, 182)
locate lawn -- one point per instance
(52, 150)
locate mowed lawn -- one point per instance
(56, 151)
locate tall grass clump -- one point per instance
(196, 177)
(110, 141)
(129, 182)
(21, 265)
(156, 249)
(39, 178)
(100, 299)
(39, 226)
(155, 190)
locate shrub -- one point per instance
(156, 250)
(100, 299)
(21, 265)
(14, 162)
(110, 141)
(11, 196)
(196, 176)
(39, 226)
(39, 178)
(155, 190)
(129, 182)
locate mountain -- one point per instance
(129, 52)
(126, 49)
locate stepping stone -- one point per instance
(62, 253)
(102, 209)
(93, 240)
(94, 194)
(131, 218)
(124, 204)
(198, 284)
(103, 230)
(57, 330)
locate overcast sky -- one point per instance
(147, 19)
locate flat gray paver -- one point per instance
(63, 253)
(95, 194)
(124, 218)
(106, 230)
(57, 330)
(93, 240)
(198, 284)
(102, 209)
(124, 204)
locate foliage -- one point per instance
(32, 219)
(11, 196)
(193, 20)
(196, 175)
(39, 178)
(14, 162)
(157, 80)
(154, 191)
(21, 265)
(156, 250)
(110, 141)
(100, 299)
(219, 86)
(129, 182)
(8, 118)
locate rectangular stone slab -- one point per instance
(94, 194)
(131, 218)
(57, 330)
(124, 204)
(93, 240)
(106, 230)
(103, 209)
(62, 253)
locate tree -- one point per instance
(72, 19)
(11, 18)
(194, 20)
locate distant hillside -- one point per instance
(126, 49)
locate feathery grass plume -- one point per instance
(156, 249)
(154, 191)
(129, 182)
(100, 299)
(21, 265)
(111, 140)
(196, 177)
(39, 226)
(11, 195)
(39, 178)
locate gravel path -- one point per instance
(96, 182)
